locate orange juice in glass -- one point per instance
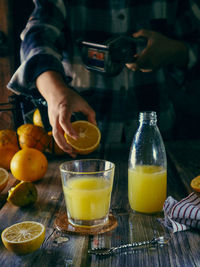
(147, 188)
(87, 188)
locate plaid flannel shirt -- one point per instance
(49, 42)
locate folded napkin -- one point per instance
(184, 214)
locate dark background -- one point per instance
(21, 12)
(186, 102)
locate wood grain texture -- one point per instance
(185, 156)
(64, 249)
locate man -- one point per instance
(53, 72)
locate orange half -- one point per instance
(195, 184)
(88, 140)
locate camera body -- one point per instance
(110, 57)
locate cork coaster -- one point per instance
(61, 223)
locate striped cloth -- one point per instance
(184, 214)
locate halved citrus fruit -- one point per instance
(3, 178)
(24, 237)
(195, 184)
(89, 137)
(23, 194)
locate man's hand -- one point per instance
(62, 103)
(160, 51)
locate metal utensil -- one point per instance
(161, 240)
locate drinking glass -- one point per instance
(87, 187)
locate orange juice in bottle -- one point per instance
(147, 170)
(147, 186)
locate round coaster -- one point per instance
(61, 223)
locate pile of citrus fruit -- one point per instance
(22, 153)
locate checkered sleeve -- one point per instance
(39, 50)
(187, 28)
(189, 25)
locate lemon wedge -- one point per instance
(23, 194)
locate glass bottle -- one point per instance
(147, 167)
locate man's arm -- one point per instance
(62, 103)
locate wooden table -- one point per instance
(65, 249)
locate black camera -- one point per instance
(109, 57)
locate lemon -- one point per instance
(37, 119)
(24, 237)
(3, 178)
(89, 137)
(23, 194)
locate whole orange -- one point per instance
(6, 155)
(28, 164)
(33, 136)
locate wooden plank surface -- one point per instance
(64, 249)
(185, 156)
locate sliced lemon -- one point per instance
(24, 237)
(3, 178)
(89, 137)
(23, 194)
